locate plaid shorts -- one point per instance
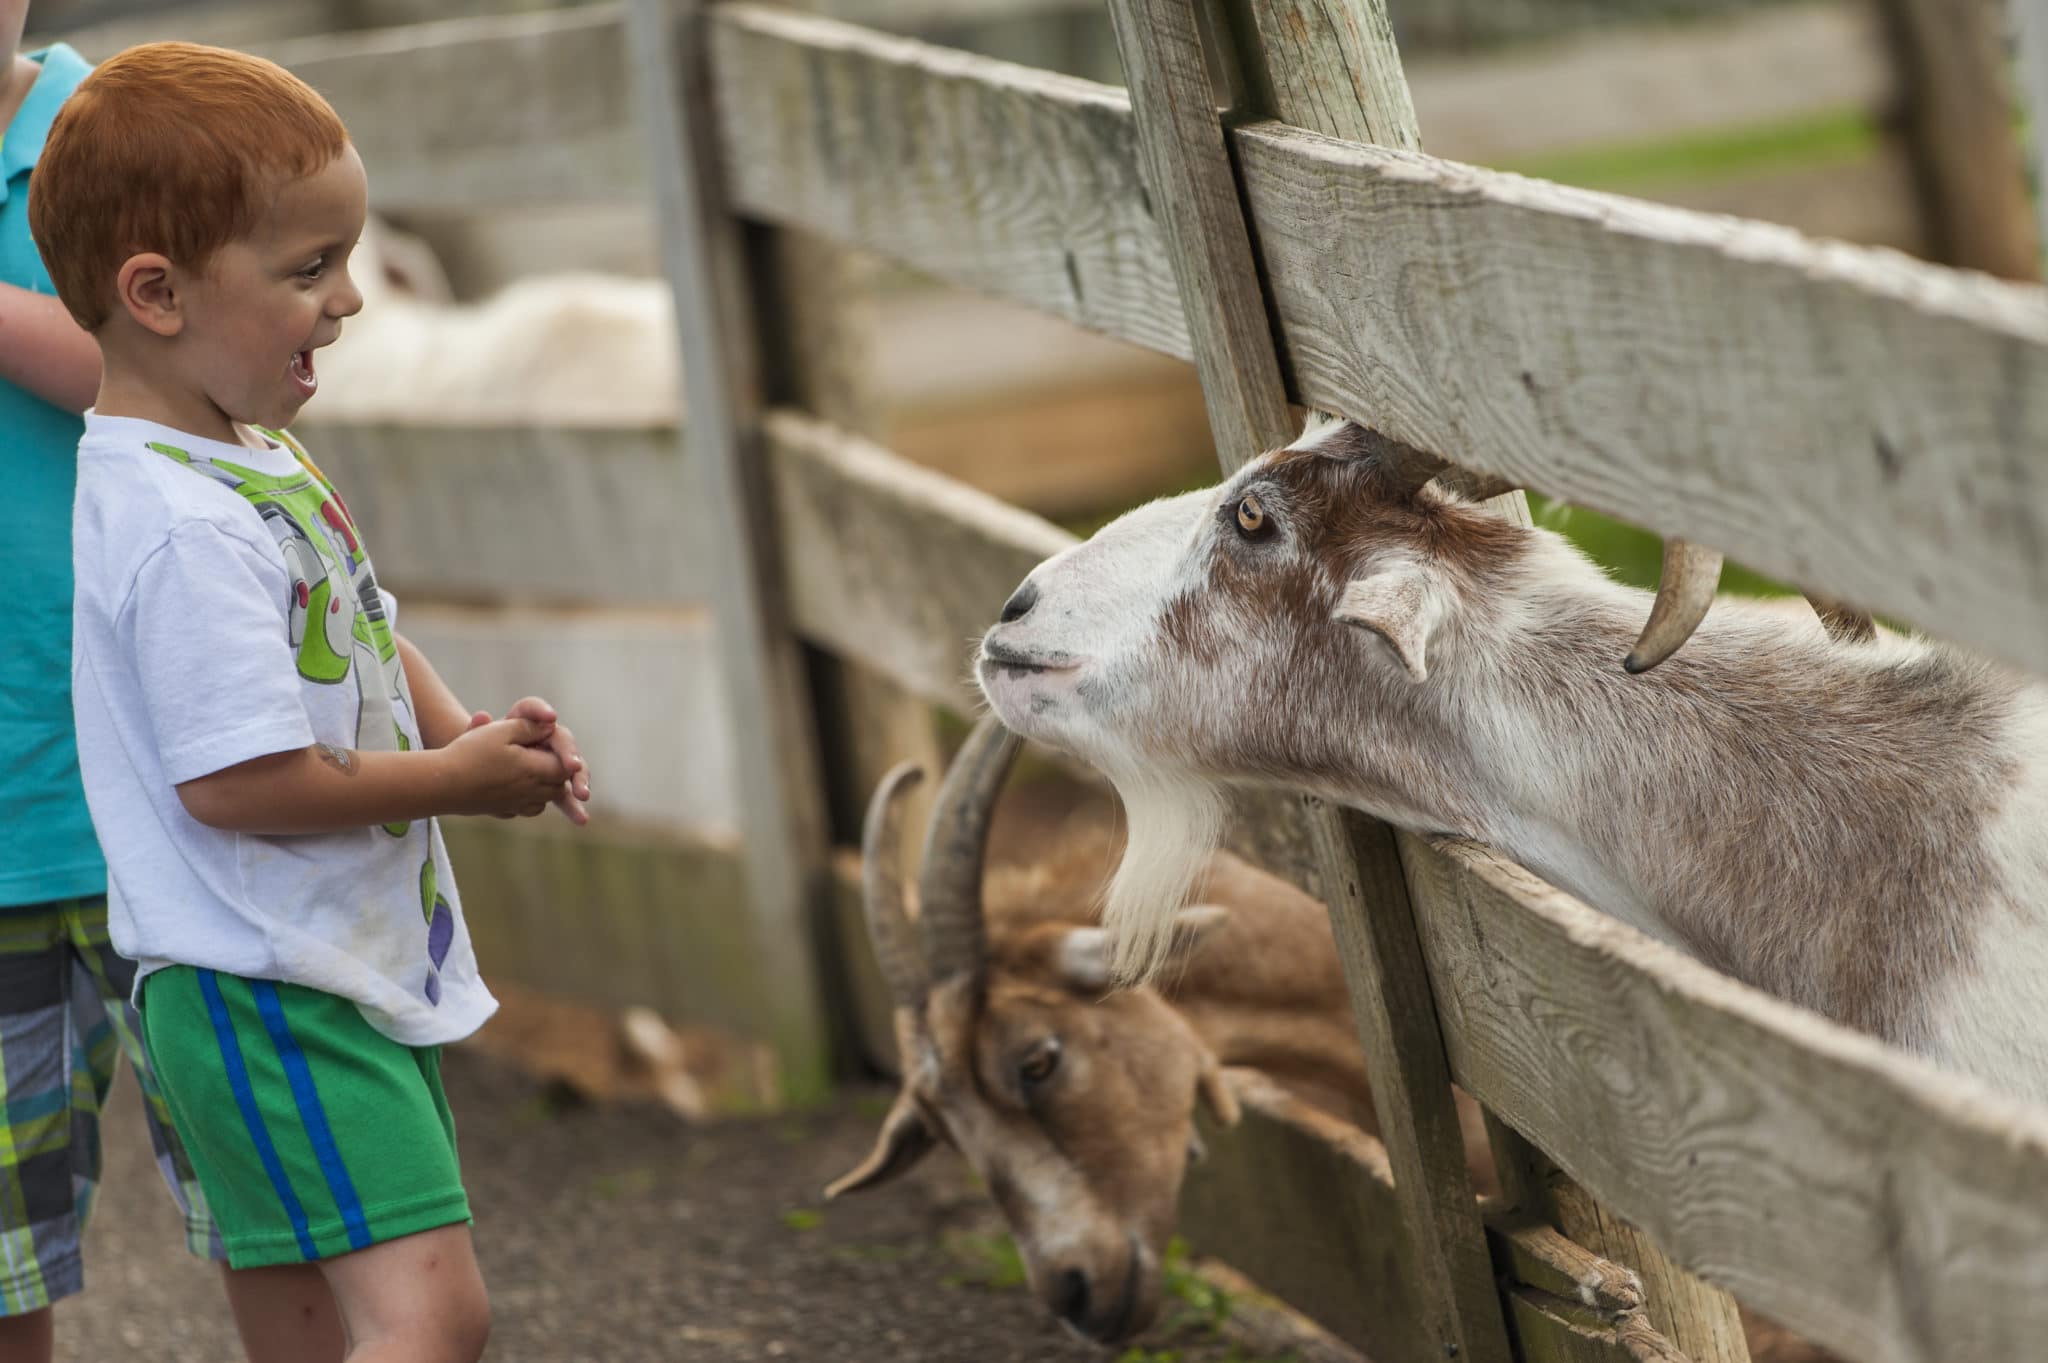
(64, 1020)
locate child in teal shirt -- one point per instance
(63, 991)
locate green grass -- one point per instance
(803, 1218)
(1818, 139)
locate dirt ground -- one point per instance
(619, 1233)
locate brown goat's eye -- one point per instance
(1251, 517)
(1039, 1062)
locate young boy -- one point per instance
(65, 1019)
(263, 754)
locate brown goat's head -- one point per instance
(1074, 1105)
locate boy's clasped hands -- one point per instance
(521, 764)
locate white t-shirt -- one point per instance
(225, 610)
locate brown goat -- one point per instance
(1074, 1102)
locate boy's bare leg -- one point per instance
(419, 1299)
(285, 1314)
(26, 1338)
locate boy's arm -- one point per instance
(324, 789)
(46, 353)
(442, 717)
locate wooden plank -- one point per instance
(1006, 180)
(891, 564)
(613, 915)
(1838, 418)
(668, 766)
(766, 690)
(1881, 1209)
(1700, 376)
(488, 111)
(1303, 1203)
(1193, 187)
(454, 512)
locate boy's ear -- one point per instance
(148, 292)
(1402, 602)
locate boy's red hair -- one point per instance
(168, 147)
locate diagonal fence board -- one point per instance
(1885, 1210)
(1695, 374)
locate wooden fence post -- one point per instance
(1193, 188)
(2029, 23)
(762, 663)
(1967, 165)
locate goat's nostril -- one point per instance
(1072, 1305)
(1020, 603)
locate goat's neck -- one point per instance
(1783, 807)
(1268, 991)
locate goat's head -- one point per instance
(1073, 1104)
(1268, 628)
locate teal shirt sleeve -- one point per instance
(47, 850)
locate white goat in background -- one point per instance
(1862, 829)
(572, 348)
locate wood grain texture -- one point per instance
(1841, 418)
(891, 564)
(458, 512)
(1704, 377)
(1881, 1209)
(775, 745)
(488, 111)
(1003, 179)
(1303, 1203)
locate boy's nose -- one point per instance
(347, 300)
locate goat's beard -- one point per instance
(1175, 825)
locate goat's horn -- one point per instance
(1685, 589)
(881, 858)
(1845, 624)
(949, 888)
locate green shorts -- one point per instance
(313, 1134)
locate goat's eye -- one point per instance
(1251, 517)
(1039, 1062)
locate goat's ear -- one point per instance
(1403, 603)
(1084, 952)
(903, 1140)
(1216, 1092)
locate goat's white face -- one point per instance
(1255, 631)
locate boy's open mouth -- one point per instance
(302, 370)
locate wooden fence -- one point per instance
(1842, 418)
(1848, 420)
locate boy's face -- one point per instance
(13, 19)
(268, 300)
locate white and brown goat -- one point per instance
(1073, 1102)
(1859, 828)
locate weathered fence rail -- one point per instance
(1847, 419)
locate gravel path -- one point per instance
(618, 1233)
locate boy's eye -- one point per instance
(315, 270)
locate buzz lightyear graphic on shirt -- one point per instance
(336, 625)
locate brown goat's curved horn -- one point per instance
(1685, 589)
(949, 888)
(881, 861)
(1845, 624)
